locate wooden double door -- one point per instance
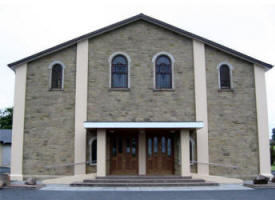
(159, 154)
(124, 153)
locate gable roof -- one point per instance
(134, 19)
(5, 136)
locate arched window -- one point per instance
(119, 75)
(163, 72)
(225, 76)
(93, 151)
(56, 75)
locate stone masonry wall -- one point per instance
(49, 117)
(232, 118)
(141, 41)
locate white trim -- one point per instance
(143, 124)
(92, 139)
(50, 68)
(110, 67)
(230, 69)
(154, 67)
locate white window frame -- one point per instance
(92, 139)
(169, 55)
(110, 68)
(231, 68)
(50, 79)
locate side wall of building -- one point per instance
(49, 117)
(232, 118)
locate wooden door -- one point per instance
(160, 154)
(124, 153)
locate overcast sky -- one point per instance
(29, 26)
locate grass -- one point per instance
(273, 167)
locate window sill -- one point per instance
(56, 89)
(225, 90)
(164, 90)
(119, 89)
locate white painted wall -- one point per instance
(18, 123)
(101, 152)
(262, 120)
(185, 152)
(81, 96)
(142, 153)
(201, 106)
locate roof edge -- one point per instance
(131, 20)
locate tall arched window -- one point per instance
(163, 70)
(225, 76)
(119, 72)
(56, 75)
(93, 151)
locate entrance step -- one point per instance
(143, 181)
(142, 184)
(143, 177)
(147, 180)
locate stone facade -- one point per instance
(49, 117)
(141, 41)
(232, 118)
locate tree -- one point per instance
(6, 118)
(273, 134)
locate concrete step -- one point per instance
(82, 184)
(147, 180)
(143, 177)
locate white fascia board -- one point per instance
(143, 124)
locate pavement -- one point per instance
(25, 194)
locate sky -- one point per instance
(29, 26)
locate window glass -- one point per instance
(163, 145)
(94, 151)
(56, 76)
(169, 147)
(155, 144)
(225, 77)
(119, 72)
(149, 146)
(163, 72)
(134, 146)
(190, 151)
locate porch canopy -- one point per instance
(179, 125)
